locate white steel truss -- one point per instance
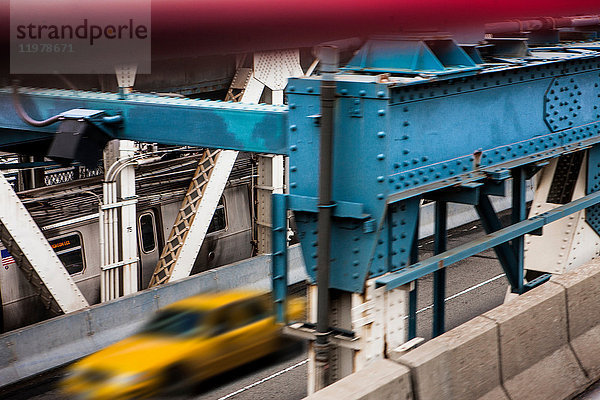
(194, 217)
(33, 254)
(567, 243)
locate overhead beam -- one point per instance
(151, 118)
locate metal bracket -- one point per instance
(536, 282)
(464, 194)
(499, 174)
(341, 209)
(307, 331)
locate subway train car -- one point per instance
(67, 212)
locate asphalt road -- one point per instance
(474, 286)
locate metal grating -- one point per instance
(63, 175)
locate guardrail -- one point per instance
(46, 345)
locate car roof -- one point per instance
(209, 301)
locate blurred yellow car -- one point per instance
(186, 342)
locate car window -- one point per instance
(175, 323)
(248, 312)
(220, 321)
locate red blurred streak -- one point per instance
(546, 23)
(200, 27)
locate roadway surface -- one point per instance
(475, 286)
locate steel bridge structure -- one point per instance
(407, 119)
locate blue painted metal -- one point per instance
(397, 140)
(504, 251)
(279, 256)
(491, 240)
(536, 282)
(342, 209)
(418, 55)
(439, 276)
(592, 214)
(519, 213)
(151, 118)
(568, 104)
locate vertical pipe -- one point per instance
(329, 63)
(439, 276)
(412, 296)
(116, 240)
(519, 214)
(115, 245)
(104, 256)
(101, 234)
(109, 242)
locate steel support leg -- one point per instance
(504, 251)
(412, 297)
(439, 276)
(519, 210)
(279, 256)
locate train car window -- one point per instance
(147, 232)
(218, 222)
(70, 252)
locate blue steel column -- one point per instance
(439, 276)
(279, 260)
(412, 296)
(519, 209)
(504, 252)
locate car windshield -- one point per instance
(174, 323)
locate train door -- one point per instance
(149, 243)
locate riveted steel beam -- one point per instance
(152, 118)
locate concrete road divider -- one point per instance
(583, 309)
(464, 361)
(543, 345)
(381, 380)
(535, 357)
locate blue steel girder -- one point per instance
(152, 118)
(398, 138)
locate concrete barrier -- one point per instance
(542, 345)
(583, 310)
(38, 348)
(383, 379)
(535, 357)
(465, 363)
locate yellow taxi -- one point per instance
(186, 342)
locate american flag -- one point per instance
(7, 259)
